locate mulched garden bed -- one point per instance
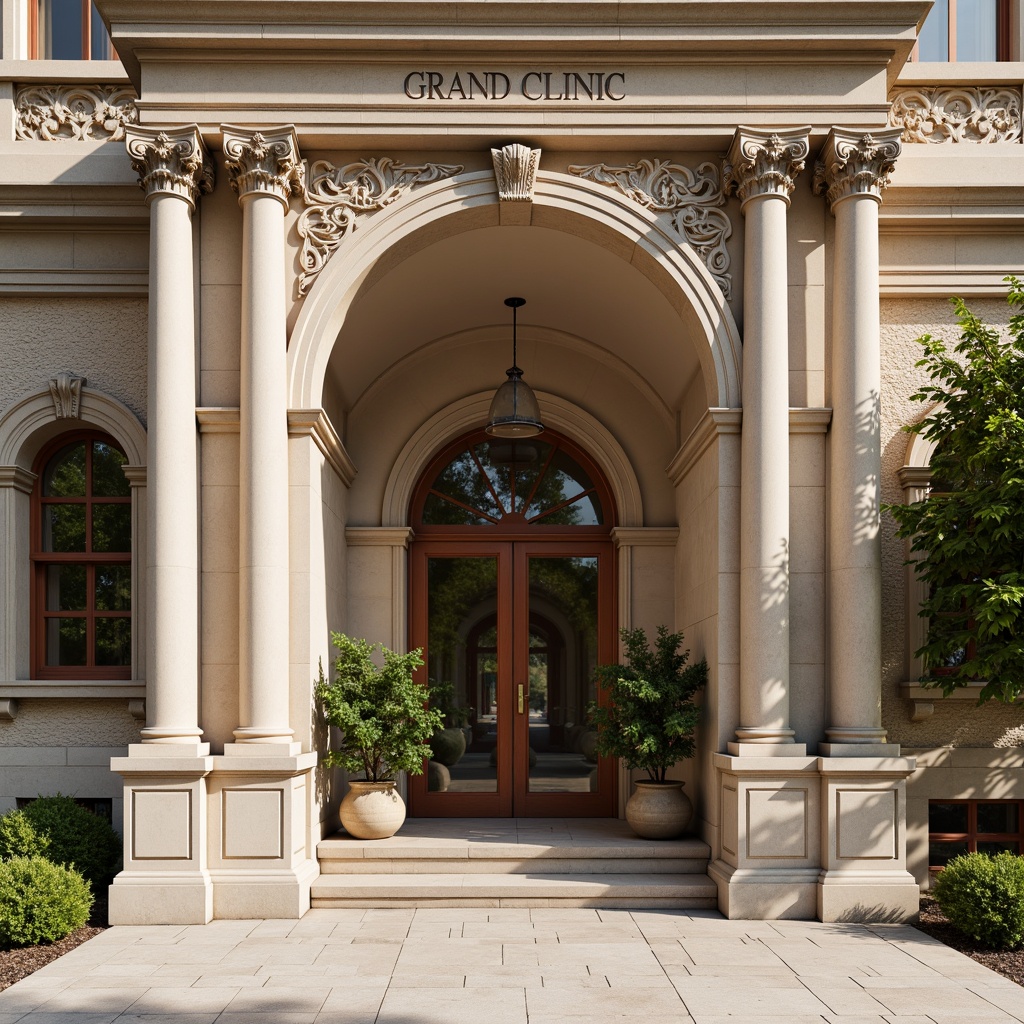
(934, 922)
(16, 964)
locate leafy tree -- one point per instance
(968, 533)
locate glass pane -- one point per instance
(108, 480)
(933, 42)
(112, 527)
(64, 527)
(65, 641)
(113, 588)
(1001, 818)
(100, 41)
(462, 601)
(976, 30)
(64, 476)
(994, 846)
(60, 29)
(564, 479)
(114, 641)
(940, 854)
(439, 512)
(947, 818)
(462, 480)
(584, 511)
(562, 657)
(65, 588)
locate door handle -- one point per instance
(521, 688)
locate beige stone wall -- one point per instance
(954, 723)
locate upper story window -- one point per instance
(965, 30)
(67, 30)
(81, 561)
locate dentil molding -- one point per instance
(170, 162)
(854, 162)
(691, 198)
(82, 113)
(335, 196)
(765, 163)
(956, 114)
(515, 171)
(264, 162)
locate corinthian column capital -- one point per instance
(170, 161)
(265, 162)
(764, 162)
(853, 163)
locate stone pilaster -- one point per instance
(761, 167)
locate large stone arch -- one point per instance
(466, 201)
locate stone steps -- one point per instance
(513, 863)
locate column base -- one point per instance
(859, 749)
(247, 894)
(140, 897)
(744, 748)
(765, 894)
(882, 898)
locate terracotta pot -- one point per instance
(372, 810)
(659, 810)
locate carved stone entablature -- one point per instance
(59, 113)
(66, 390)
(940, 114)
(691, 198)
(264, 161)
(170, 162)
(334, 196)
(515, 170)
(765, 163)
(853, 162)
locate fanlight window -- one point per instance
(492, 481)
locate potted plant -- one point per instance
(648, 718)
(384, 721)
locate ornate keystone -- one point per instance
(58, 113)
(66, 391)
(855, 163)
(170, 162)
(263, 161)
(691, 198)
(515, 170)
(335, 195)
(765, 163)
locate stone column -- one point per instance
(853, 169)
(265, 170)
(760, 168)
(165, 874)
(173, 170)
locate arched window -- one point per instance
(81, 560)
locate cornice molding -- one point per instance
(378, 536)
(170, 162)
(219, 419)
(317, 425)
(713, 423)
(763, 162)
(809, 421)
(264, 162)
(645, 536)
(18, 478)
(856, 163)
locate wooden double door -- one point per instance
(511, 632)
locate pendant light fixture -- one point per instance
(514, 411)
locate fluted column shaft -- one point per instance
(264, 169)
(761, 167)
(172, 170)
(852, 172)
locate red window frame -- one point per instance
(972, 836)
(42, 560)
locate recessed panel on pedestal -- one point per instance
(777, 823)
(867, 824)
(253, 824)
(161, 824)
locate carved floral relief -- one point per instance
(957, 114)
(58, 113)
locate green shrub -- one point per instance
(19, 839)
(40, 901)
(983, 897)
(77, 837)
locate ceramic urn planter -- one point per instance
(372, 810)
(659, 810)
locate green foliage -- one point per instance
(968, 533)
(381, 711)
(77, 837)
(18, 838)
(442, 699)
(649, 718)
(983, 897)
(40, 901)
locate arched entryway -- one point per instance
(512, 600)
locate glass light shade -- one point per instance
(514, 411)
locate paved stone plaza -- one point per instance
(483, 966)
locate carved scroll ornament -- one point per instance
(691, 198)
(335, 196)
(58, 113)
(515, 170)
(957, 114)
(66, 392)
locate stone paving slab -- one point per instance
(515, 966)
